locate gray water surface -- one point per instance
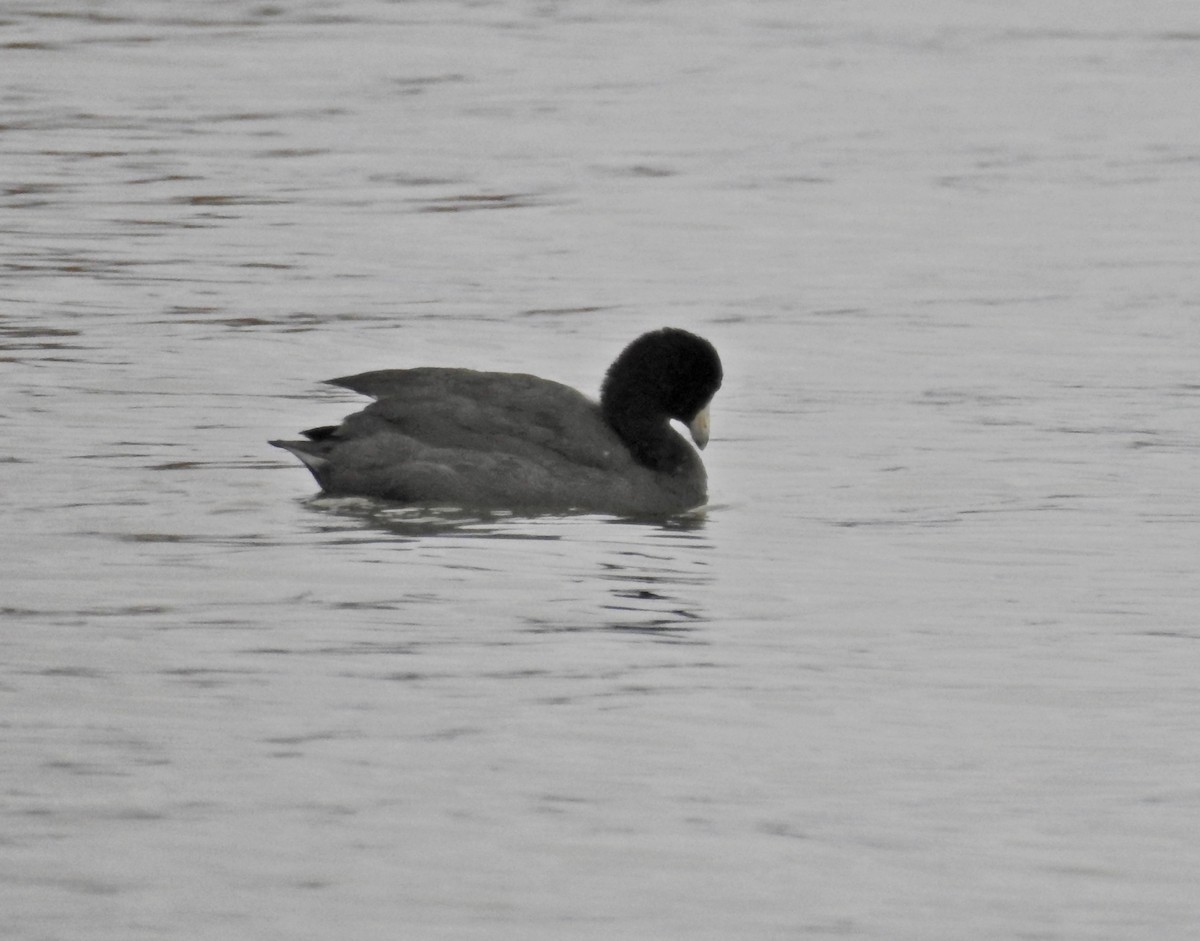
(926, 667)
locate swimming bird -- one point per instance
(492, 440)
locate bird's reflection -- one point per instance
(641, 576)
(655, 578)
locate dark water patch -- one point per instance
(675, 626)
(96, 266)
(783, 828)
(974, 182)
(220, 199)
(36, 613)
(107, 123)
(639, 171)
(284, 323)
(108, 455)
(419, 84)
(404, 676)
(42, 360)
(369, 649)
(31, 45)
(185, 309)
(368, 605)
(1100, 430)
(288, 153)
(881, 522)
(243, 117)
(958, 396)
(561, 803)
(415, 180)
(28, 195)
(242, 463)
(526, 673)
(676, 619)
(166, 224)
(453, 733)
(76, 886)
(638, 573)
(843, 313)
(85, 769)
(135, 814)
(329, 736)
(641, 594)
(806, 179)
(472, 202)
(366, 649)
(560, 311)
(207, 677)
(121, 611)
(37, 338)
(80, 16)
(1067, 34)
(155, 537)
(87, 673)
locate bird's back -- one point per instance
(483, 439)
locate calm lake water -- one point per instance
(927, 668)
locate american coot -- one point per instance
(492, 440)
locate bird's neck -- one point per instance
(650, 438)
